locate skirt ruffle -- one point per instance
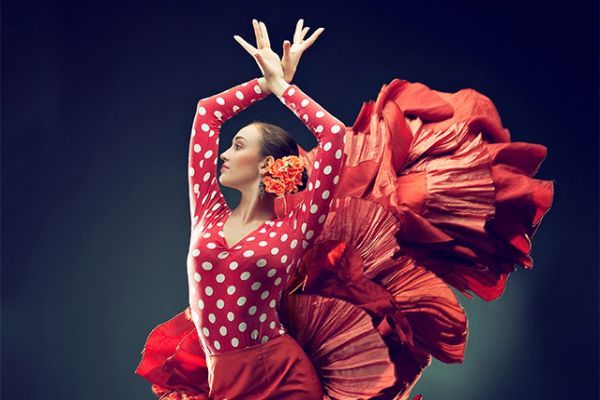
(433, 195)
(173, 360)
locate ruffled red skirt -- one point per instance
(347, 357)
(433, 195)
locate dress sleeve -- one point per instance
(211, 113)
(329, 159)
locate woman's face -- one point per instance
(242, 164)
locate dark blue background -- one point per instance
(98, 101)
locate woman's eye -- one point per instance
(237, 146)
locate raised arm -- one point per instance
(328, 130)
(322, 182)
(211, 113)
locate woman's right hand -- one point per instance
(267, 60)
(293, 52)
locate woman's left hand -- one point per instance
(293, 51)
(267, 60)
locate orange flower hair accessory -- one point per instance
(284, 176)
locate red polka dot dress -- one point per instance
(235, 289)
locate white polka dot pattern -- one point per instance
(235, 291)
(329, 160)
(211, 113)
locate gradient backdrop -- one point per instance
(98, 101)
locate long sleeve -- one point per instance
(330, 134)
(211, 113)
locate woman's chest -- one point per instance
(255, 263)
(271, 241)
(233, 232)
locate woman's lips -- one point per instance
(223, 168)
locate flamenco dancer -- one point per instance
(332, 277)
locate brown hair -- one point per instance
(278, 143)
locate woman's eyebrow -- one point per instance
(239, 137)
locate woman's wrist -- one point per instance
(277, 85)
(289, 75)
(264, 85)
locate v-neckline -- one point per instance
(224, 239)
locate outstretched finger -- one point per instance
(260, 43)
(286, 49)
(249, 48)
(312, 38)
(265, 34)
(303, 33)
(298, 31)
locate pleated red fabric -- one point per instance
(433, 195)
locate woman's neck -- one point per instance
(254, 208)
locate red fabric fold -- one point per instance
(173, 359)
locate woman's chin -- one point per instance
(223, 181)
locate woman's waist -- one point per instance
(232, 294)
(243, 344)
(231, 316)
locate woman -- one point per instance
(240, 260)
(344, 299)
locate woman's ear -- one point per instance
(265, 164)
